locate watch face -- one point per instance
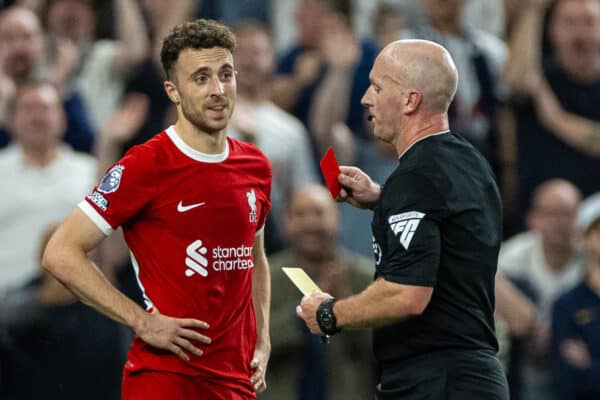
(326, 318)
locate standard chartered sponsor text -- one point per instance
(232, 258)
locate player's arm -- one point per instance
(261, 297)
(66, 258)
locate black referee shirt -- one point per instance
(438, 224)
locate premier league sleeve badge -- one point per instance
(111, 181)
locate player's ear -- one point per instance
(172, 91)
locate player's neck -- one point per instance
(204, 142)
(420, 129)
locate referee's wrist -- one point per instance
(326, 317)
(378, 190)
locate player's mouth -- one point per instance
(218, 110)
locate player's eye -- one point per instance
(201, 78)
(226, 76)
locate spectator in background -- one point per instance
(26, 54)
(544, 262)
(327, 54)
(103, 65)
(562, 79)
(256, 119)
(576, 325)
(55, 347)
(43, 179)
(301, 367)
(480, 59)
(21, 46)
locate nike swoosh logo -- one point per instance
(182, 208)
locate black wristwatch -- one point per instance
(326, 318)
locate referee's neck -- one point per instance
(419, 130)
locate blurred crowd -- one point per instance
(80, 83)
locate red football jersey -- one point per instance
(190, 220)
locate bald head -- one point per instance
(317, 193)
(556, 191)
(312, 221)
(424, 66)
(19, 15)
(554, 208)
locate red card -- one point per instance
(331, 170)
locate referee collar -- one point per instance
(423, 138)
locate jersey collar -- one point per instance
(195, 154)
(423, 138)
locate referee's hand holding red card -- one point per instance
(358, 189)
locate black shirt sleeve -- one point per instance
(406, 227)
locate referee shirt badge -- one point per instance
(405, 225)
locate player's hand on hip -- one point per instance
(307, 309)
(358, 189)
(173, 334)
(259, 363)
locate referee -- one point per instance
(436, 234)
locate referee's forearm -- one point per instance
(382, 303)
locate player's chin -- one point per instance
(217, 125)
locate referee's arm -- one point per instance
(382, 303)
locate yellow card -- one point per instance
(301, 280)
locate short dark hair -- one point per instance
(198, 34)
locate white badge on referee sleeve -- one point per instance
(405, 225)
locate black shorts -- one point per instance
(448, 375)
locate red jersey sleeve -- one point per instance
(265, 190)
(127, 188)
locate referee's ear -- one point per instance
(413, 101)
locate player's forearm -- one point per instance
(261, 297)
(80, 275)
(382, 303)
